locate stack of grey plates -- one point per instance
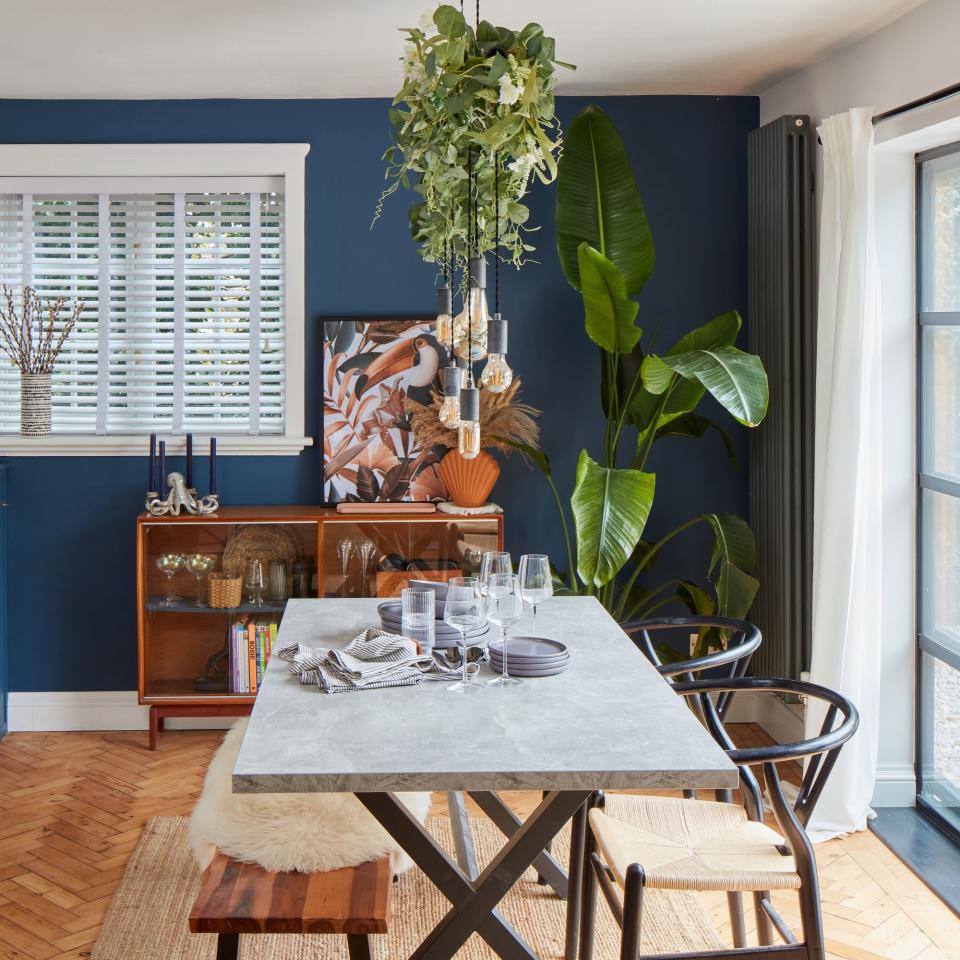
(391, 615)
(530, 656)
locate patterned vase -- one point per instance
(469, 482)
(34, 404)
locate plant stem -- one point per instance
(571, 574)
(625, 408)
(642, 561)
(640, 461)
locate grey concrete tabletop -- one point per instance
(609, 721)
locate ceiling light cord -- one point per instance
(496, 233)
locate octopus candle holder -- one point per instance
(181, 497)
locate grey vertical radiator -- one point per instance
(781, 329)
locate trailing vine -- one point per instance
(486, 90)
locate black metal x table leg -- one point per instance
(509, 823)
(474, 902)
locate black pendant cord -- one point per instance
(468, 301)
(496, 234)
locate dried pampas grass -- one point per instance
(501, 415)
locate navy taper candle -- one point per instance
(152, 477)
(189, 461)
(213, 464)
(162, 462)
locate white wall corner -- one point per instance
(896, 786)
(92, 710)
(783, 721)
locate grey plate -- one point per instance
(440, 628)
(539, 649)
(527, 670)
(527, 662)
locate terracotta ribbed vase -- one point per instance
(469, 482)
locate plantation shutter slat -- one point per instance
(183, 325)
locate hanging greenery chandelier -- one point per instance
(473, 123)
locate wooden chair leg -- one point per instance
(764, 928)
(358, 946)
(154, 727)
(632, 913)
(228, 946)
(738, 925)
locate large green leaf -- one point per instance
(608, 313)
(598, 202)
(733, 559)
(736, 379)
(733, 541)
(695, 426)
(610, 510)
(686, 394)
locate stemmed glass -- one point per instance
(366, 555)
(494, 562)
(504, 608)
(200, 564)
(536, 581)
(345, 550)
(168, 564)
(464, 611)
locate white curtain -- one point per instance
(847, 542)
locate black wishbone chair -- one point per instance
(685, 846)
(742, 642)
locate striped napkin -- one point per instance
(373, 659)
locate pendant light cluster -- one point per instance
(473, 334)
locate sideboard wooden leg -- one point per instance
(154, 727)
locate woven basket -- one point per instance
(224, 590)
(259, 541)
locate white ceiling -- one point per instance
(314, 48)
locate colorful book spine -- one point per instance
(251, 643)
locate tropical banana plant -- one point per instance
(607, 253)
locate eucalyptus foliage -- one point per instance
(473, 98)
(607, 254)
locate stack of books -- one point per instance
(251, 642)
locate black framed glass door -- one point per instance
(938, 528)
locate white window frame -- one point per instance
(195, 160)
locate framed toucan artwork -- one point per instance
(376, 373)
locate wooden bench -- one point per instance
(240, 898)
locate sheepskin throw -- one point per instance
(308, 832)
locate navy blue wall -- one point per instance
(72, 608)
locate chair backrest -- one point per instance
(839, 725)
(743, 639)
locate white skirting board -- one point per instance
(93, 710)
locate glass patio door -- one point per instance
(938, 714)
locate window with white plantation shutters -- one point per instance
(183, 285)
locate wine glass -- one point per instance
(345, 550)
(464, 611)
(366, 555)
(494, 562)
(504, 608)
(255, 583)
(169, 564)
(200, 564)
(536, 581)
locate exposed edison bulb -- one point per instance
(497, 375)
(468, 439)
(444, 328)
(449, 413)
(472, 321)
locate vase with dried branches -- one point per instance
(505, 422)
(32, 336)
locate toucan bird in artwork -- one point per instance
(419, 357)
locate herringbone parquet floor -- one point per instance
(72, 806)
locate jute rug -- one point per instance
(147, 918)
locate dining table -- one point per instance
(609, 721)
